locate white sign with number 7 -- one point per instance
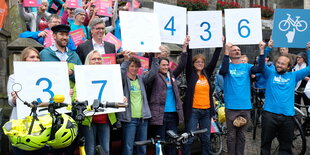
(172, 22)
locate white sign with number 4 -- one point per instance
(243, 26)
(205, 29)
(102, 82)
(172, 22)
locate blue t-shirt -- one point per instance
(76, 27)
(237, 87)
(170, 105)
(280, 89)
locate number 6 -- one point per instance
(244, 27)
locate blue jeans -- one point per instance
(99, 131)
(136, 130)
(203, 117)
(171, 121)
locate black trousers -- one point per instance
(279, 126)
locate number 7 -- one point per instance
(104, 82)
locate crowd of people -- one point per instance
(153, 98)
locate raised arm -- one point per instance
(183, 59)
(25, 15)
(261, 60)
(225, 63)
(301, 74)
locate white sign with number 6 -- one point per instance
(243, 26)
(205, 29)
(172, 22)
(102, 82)
(40, 81)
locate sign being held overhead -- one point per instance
(243, 26)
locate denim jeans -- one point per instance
(171, 121)
(136, 130)
(99, 131)
(203, 117)
(280, 126)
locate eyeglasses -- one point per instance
(199, 62)
(98, 59)
(99, 28)
(82, 14)
(71, 9)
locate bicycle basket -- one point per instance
(221, 114)
(20, 137)
(64, 131)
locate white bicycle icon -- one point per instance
(300, 25)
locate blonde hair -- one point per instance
(25, 53)
(89, 56)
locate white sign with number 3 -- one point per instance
(102, 82)
(205, 29)
(243, 26)
(172, 22)
(40, 81)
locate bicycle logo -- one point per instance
(300, 25)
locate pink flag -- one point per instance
(78, 36)
(49, 40)
(172, 65)
(74, 3)
(104, 7)
(112, 39)
(108, 58)
(144, 64)
(32, 3)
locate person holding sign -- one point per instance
(278, 114)
(45, 37)
(32, 55)
(36, 20)
(98, 126)
(79, 18)
(198, 105)
(59, 51)
(135, 119)
(165, 103)
(237, 95)
(97, 27)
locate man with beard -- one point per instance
(237, 95)
(278, 114)
(59, 51)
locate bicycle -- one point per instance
(173, 140)
(299, 143)
(218, 128)
(258, 102)
(300, 25)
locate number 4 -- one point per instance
(172, 29)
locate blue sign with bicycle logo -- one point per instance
(291, 28)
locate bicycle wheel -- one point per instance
(255, 122)
(302, 26)
(299, 139)
(284, 25)
(216, 143)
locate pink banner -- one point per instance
(74, 3)
(214, 128)
(172, 65)
(77, 36)
(136, 5)
(108, 58)
(144, 64)
(104, 7)
(112, 39)
(32, 3)
(49, 40)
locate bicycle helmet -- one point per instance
(64, 131)
(18, 132)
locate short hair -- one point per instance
(53, 16)
(46, 1)
(96, 21)
(201, 56)
(166, 48)
(289, 57)
(135, 61)
(25, 53)
(89, 56)
(163, 58)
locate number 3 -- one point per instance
(48, 89)
(206, 30)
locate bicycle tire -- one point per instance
(99, 150)
(299, 139)
(303, 26)
(255, 121)
(283, 25)
(216, 143)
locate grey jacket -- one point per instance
(32, 18)
(143, 80)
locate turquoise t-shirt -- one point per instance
(86, 31)
(135, 99)
(170, 105)
(237, 87)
